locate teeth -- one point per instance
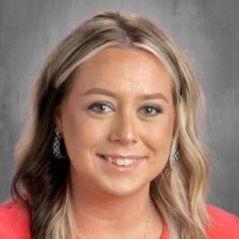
(120, 161)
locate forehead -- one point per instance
(123, 69)
(119, 57)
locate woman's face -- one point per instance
(117, 121)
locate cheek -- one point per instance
(81, 132)
(160, 138)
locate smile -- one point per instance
(122, 162)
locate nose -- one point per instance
(124, 130)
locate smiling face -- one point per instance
(117, 121)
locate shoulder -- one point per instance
(222, 224)
(14, 221)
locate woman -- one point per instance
(112, 149)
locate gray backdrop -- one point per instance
(208, 32)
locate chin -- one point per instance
(125, 189)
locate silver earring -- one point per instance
(174, 154)
(56, 147)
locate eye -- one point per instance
(151, 110)
(101, 107)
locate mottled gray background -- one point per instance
(208, 31)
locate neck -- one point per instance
(98, 213)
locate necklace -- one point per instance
(147, 224)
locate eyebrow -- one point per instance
(101, 91)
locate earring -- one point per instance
(56, 147)
(174, 154)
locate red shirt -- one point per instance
(14, 223)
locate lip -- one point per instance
(138, 160)
(123, 156)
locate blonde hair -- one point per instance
(179, 191)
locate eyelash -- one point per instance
(95, 108)
(99, 104)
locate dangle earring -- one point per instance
(174, 154)
(56, 147)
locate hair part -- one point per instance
(41, 182)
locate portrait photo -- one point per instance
(119, 119)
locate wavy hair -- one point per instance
(41, 181)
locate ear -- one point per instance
(175, 123)
(58, 118)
